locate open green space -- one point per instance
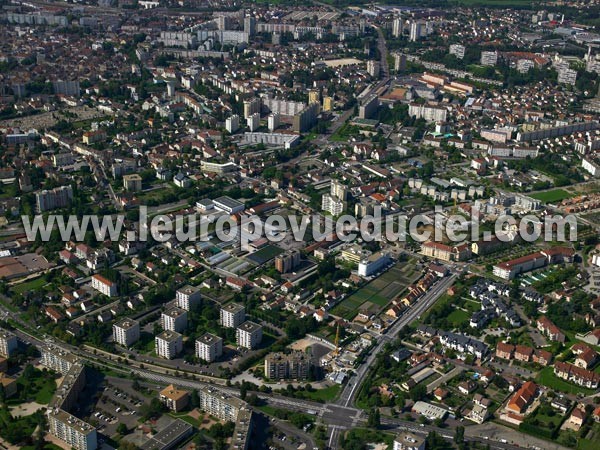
(325, 395)
(555, 195)
(458, 317)
(547, 378)
(31, 285)
(34, 384)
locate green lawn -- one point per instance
(326, 394)
(31, 285)
(458, 317)
(555, 195)
(547, 378)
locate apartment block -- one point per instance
(126, 332)
(293, 366)
(8, 343)
(57, 359)
(175, 319)
(188, 297)
(168, 344)
(232, 315)
(104, 285)
(209, 347)
(249, 335)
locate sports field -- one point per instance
(379, 291)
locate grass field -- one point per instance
(555, 195)
(379, 291)
(458, 317)
(31, 285)
(326, 394)
(547, 378)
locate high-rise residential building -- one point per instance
(220, 405)
(567, 76)
(223, 22)
(250, 26)
(368, 107)
(306, 119)
(75, 432)
(57, 359)
(253, 121)
(332, 205)
(174, 319)
(209, 347)
(409, 441)
(59, 197)
(251, 106)
(292, 366)
(457, 50)
(335, 201)
(104, 285)
(373, 68)
(126, 332)
(399, 62)
(232, 123)
(248, 335)
(288, 261)
(273, 121)
(313, 96)
(489, 58)
(168, 344)
(339, 190)
(8, 343)
(397, 27)
(232, 315)
(327, 103)
(188, 297)
(416, 31)
(132, 182)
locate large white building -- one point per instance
(248, 335)
(430, 113)
(232, 315)
(373, 263)
(175, 319)
(232, 123)
(253, 121)
(188, 297)
(75, 432)
(8, 343)
(409, 441)
(168, 344)
(126, 332)
(57, 359)
(209, 347)
(104, 285)
(273, 121)
(457, 50)
(489, 58)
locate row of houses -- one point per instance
(523, 353)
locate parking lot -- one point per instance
(118, 403)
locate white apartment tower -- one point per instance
(209, 347)
(175, 319)
(188, 297)
(168, 344)
(232, 315)
(126, 332)
(248, 335)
